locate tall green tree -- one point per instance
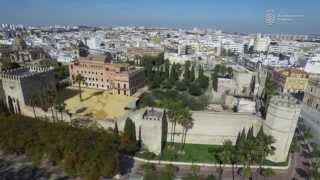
(186, 73)
(201, 72)
(229, 152)
(192, 75)
(129, 142)
(167, 70)
(79, 79)
(186, 121)
(60, 106)
(175, 116)
(51, 96)
(173, 73)
(264, 148)
(32, 102)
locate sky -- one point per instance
(248, 16)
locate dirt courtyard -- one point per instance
(98, 104)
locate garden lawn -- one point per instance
(197, 153)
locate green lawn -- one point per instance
(270, 163)
(197, 153)
(191, 153)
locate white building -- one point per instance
(313, 64)
(261, 44)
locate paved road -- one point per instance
(18, 168)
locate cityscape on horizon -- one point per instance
(231, 16)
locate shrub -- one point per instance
(195, 89)
(181, 86)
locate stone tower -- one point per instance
(153, 129)
(21, 84)
(281, 122)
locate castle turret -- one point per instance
(281, 122)
(153, 129)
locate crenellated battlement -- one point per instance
(153, 114)
(285, 101)
(24, 72)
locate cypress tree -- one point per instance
(250, 134)
(192, 74)
(186, 74)
(238, 138)
(173, 73)
(116, 130)
(260, 133)
(243, 136)
(201, 73)
(130, 130)
(167, 70)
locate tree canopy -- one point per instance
(81, 151)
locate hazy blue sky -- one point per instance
(228, 15)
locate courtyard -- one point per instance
(97, 104)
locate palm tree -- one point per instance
(173, 120)
(221, 158)
(32, 102)
(79, 79)
(264, 147)
(267, 173)
(229, 153)
(314, 172)
(50, 100)
(246, 149)
(173, 115)
(186, 122)
(60, 106)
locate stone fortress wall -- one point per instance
(152, 125)
(216, 127)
